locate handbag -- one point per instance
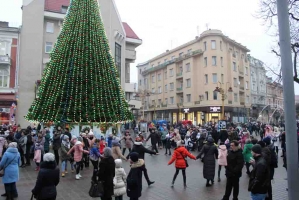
(96, 189)
(3, 169)
(187, 165)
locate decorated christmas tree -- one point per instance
(80, 83)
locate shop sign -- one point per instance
(215, 109)
(186, 110)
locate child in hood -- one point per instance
(222, 161)
(119, 180)
(247, 154)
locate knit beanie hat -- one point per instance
(49, 157)
(257, 149)
(115, 142)
(134, 156)
(210, 139)
(267, 140)
(261, 143)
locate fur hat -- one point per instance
(134, 156)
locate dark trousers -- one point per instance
(124, 150)
(119, 197)
(166, 151)
(176, 174)
(95, 169)
(269, 192)
(11, 190)
(27, 155)
(154, 148)
(247, 167)
(219, 170)
(56, 156)
(232, 182)
(145, 174)
(22, 155)
(78, 166)
(106, 198)
(134, 198)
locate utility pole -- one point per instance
(289, 98)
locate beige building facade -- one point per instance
(42, 21)
(180, 82)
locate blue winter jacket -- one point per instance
(10, 161)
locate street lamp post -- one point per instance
(142, 95)
(223, 93)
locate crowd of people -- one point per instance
(232, 149)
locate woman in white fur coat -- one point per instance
(119, 180)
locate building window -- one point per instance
(206, 79)
(48, 48)
(222, 78)
(188, 83)
(181, 54)
(213, 44)
(153, 102)
(153, 65)
(118, 58)
(153, 90)
(214, 60)
(50, 27)
(165, 60)
(215, 78)
(234, 66)
(166, 101)
(171, 100)
(235, 82)
(153, 78)
(207, 95)
(221, 45)
(221, 60)
(171, 86)
(188, 68)
(188, 97)
(159, 63)
(215, 95)
(144, 81)
(171, 72)
(206, 61)
(165, 74)
(160, 90)
(64, 9)
(235, 97)
(247, 99)
(254, 99)
(246, 85)
(246, 70)
(165, 88)
(159, 77)
(140, 71)
(205, 46)
(173, 57)
(4, 77)
(181, 69)
(140, 81)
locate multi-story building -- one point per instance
(9, 48)
(181, 82)
(274, 100)
(258, 81)
(41, 24)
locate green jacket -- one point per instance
(247, 152)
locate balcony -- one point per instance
(164, 105)
(4, 59)
(242, 101)
(241, 73)
(230, 102)
(130, 54)
(179, 90)
(179, 75)
(242, 88)
(197, 102)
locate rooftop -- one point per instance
(129, 31)
(55, 5)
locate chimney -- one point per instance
(4, 24)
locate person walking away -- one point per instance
(215, 135)
(260, 175)
(119, 180)
(106, 174)
(223, 136)
(210, 152)
(201, 140)
(85, 147)
(116, 152)
(141, 150)
(247, 155)
(29, 146)
(56, 145)
(78, 154)
(22, 141)
(235, 163)
(94, 155)
(134, 179)
(10, 164)
(47, 142)
(168, 144)
(222, 161)
(47, 179)
(179, 156)
(65, 147)
(154, 140)
(128, 142)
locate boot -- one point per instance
(184, 178)
(172, 184)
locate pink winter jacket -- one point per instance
(78, 151)
(222, 154)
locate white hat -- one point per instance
(49, 157)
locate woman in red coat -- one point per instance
(179, 155)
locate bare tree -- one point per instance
(268, 12)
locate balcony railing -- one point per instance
(230, 102)
(4, 59)
(197, 102)
(179, 89)
(164, 105)
(241, 87)
(179, 74)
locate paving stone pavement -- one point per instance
(161, 173)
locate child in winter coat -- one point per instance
(167, 144)
(247, 154)
(94, 155)
(102, 145)
(222, 161)
(38, 148)
(119, 180)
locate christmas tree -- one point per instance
(80, 83)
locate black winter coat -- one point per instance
(141, 150)
(215, 135)
(56, 141)
(260, 177)
(223, 136)
(235, 163)
(47, 180)
(106, 174)
(134, 180)
(154, 137)
(210, 152)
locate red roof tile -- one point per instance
(129, 31)
(55, 5)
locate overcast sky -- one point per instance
(165, 24)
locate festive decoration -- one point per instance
(80, 83)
